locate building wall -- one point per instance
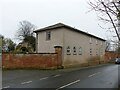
(64, 37)
(47, 46)
(75, 39)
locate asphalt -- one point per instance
(104, 76)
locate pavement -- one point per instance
(101, 76)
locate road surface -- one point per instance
(103, 76)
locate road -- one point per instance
(103, 76)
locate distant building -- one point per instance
(77, 46)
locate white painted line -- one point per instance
(68, 84)
(94, 74)
(26, 82)
(43, 78)
(57, 75)
(6, 87)
(98, 72)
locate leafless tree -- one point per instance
(25, 30)
(108, 47)
(108, 11)
(25, 33)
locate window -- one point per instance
(96, 52)
(101, 51)
(96, 42)
(74, 51)
(101, 43)
(48, 35)
(90, 41)
(68, 50)
(90, 51)
(80, 51)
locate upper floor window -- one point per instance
(101, 43)
(90, 41)
(96, 42)
(48, 35)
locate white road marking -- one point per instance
(98, 72)
(6, 87)
(57, 75)
(43, 78)
(68, 84)
(26, 82)
(94, 74)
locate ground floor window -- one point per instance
(80, 51)
(74, 51)
(91, 52)
(68, 50)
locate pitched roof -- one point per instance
(60, 25)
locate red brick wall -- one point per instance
(12, 61)
(110, 55)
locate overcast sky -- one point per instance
(43, 13)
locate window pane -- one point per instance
(80, 51)
(74, 51)
(68, 50)
(90, 51)
(90, 41)
(48, 35)
(96, 42)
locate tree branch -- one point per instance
(111, 20)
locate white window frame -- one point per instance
(90, 41)
(80, 51)
(90, 51)
(101, 43)
(96, 42)
(74, 50)
(96, 52)
(48, 35)
(68, 50)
